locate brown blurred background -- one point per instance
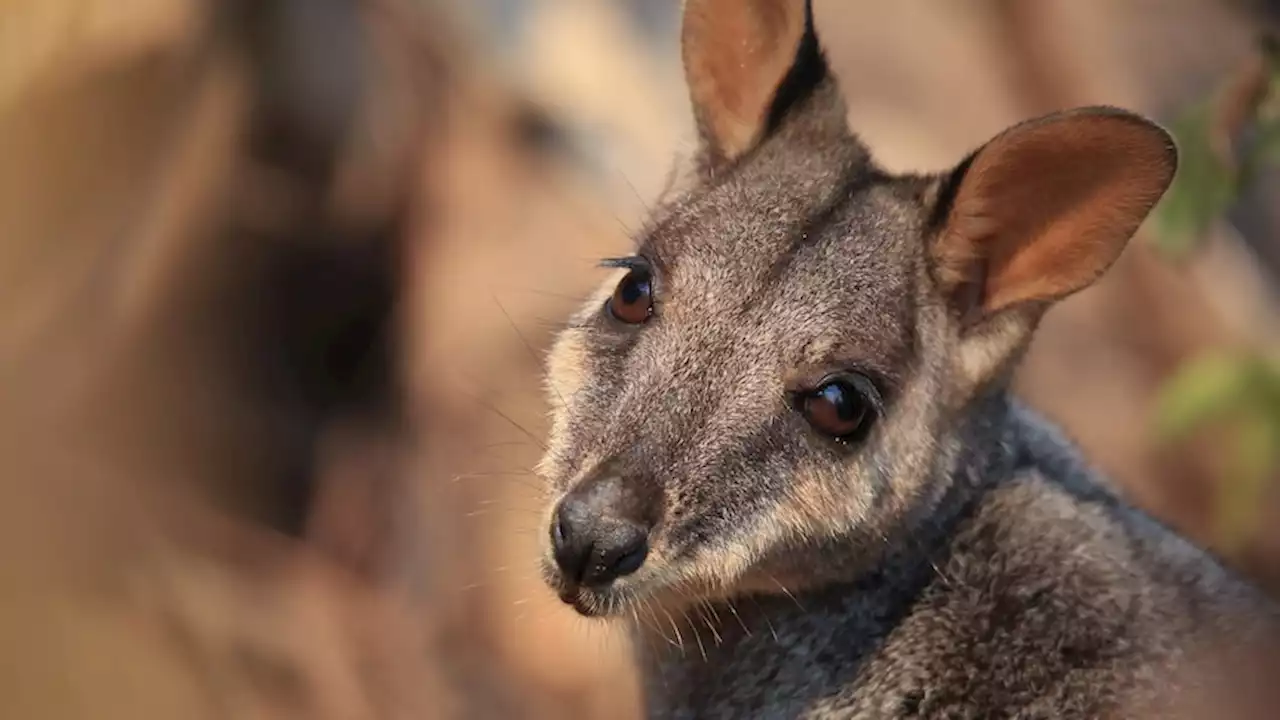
(276, 277)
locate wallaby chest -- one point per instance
(1039, 606)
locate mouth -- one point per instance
(577, 599)
(587, 602)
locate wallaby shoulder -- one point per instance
(1052, 597)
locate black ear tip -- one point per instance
(808, 71)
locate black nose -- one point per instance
(593, 547)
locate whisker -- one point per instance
(498, 450)
(501, 443)
(729, 604)
(537, 617)
(656, 626)
(642, 628)
(639, 198)
(701, 648)
(765, 616)
(538, 360)
(533, 354)
(712, 609)
(517, 478)
(674, 628)
(550, 324)
(501, 502)
(715, 634)
(942, 576)
(521, 472)
(491, 408)
(645, 626)
(526, 512)
(787, 592)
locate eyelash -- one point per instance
(869, 383)
(634, 262)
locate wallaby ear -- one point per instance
(747, 62)
(1042, 210)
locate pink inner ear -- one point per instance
(736, 54)
(1047, 207)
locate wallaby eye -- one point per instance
(842, 407)
(632, 300)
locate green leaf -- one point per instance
(1266, 150)
(1202, 191)
(1203, 390)
(1257, 448)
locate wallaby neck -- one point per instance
(855, 587)
(681, 649)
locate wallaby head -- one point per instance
(785, 372)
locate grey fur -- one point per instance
(961, 561)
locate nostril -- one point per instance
(559, 532)
(624, 556)
(630, 560)
(571, 548)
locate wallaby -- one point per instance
(783, 446)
